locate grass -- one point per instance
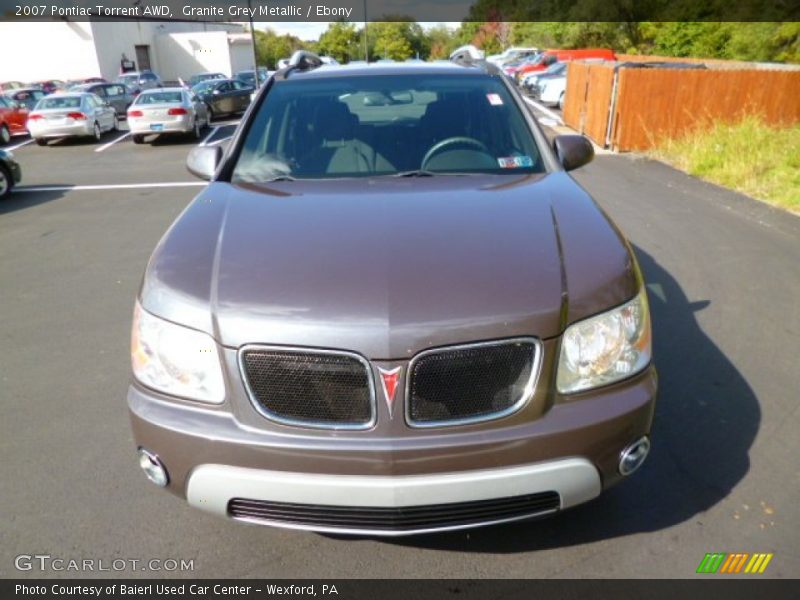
(749, 156)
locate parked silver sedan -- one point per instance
(167, 111)
(70, 114)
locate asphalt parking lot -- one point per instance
(724, 277)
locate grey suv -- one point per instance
(392, 311)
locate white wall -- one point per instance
(39, 51)
(184, 54)
(241, 55)
(74, 50)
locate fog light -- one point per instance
(153, 468)
(633, 456)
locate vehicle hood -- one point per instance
(387, 267)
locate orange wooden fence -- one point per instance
(647, 105)
(587, 98)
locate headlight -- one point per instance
(175, 360)
(605, 348)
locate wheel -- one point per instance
(5, 182)
(41, 141)
(561, 102)
(196, 130)
(210, 113)
(138, 139)
(115, 126)
(5, 135)
(96, 132)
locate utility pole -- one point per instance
(366, 47)
(253, 41)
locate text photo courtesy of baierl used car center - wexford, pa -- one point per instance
(372, 298)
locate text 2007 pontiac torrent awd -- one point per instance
(391, 311)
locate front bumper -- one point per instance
(573, 449)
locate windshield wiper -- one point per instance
(426, 173)
(416, 173)
(281, 178)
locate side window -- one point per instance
(225, 87)
(99, 91)
(3, 103)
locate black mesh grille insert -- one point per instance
(469, 382)
(309, 387)
(395, 519)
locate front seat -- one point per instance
(340, 152)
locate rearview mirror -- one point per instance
(203, 161)
(573, 151)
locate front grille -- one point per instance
(313, 388)
(470, 383)
(410, 518)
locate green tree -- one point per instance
(390, 39)
(341, 41)
(271, 47)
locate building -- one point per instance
(79, 49)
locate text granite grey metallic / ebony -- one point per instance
(391, 311)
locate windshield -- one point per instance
(387, 125)
(246, 76)
(59, 102)
(159, 98)
(204, 87)
(128, 79)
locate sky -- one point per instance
(312, 30)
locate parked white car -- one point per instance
(510, 54)
(551, 91)
(68, 114)
(167, 111)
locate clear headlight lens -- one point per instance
(175, 360)
(605, 348)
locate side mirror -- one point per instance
(216, 92)
(573, 151)
(203, 161)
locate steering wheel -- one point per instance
(439, 146)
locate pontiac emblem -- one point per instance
(389, 380)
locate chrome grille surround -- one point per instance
(272, 416)
(528, 390)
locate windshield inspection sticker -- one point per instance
(515, 162)
(494, 99)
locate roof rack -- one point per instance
(470, 56)
(302, 60)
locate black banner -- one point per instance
(393, 589)
(418, 10)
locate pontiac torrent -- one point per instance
(391, 311)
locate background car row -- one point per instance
(20, 104)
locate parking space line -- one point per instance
(25, 143)
(215, 142)
(544, 109)
(121, 186)
(209, 136)
(112, 142)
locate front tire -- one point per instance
(196, 130)
(5, 182)
(115, 126)
(97, 133)
(5, 135)
(138, 139)
(561, 102)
